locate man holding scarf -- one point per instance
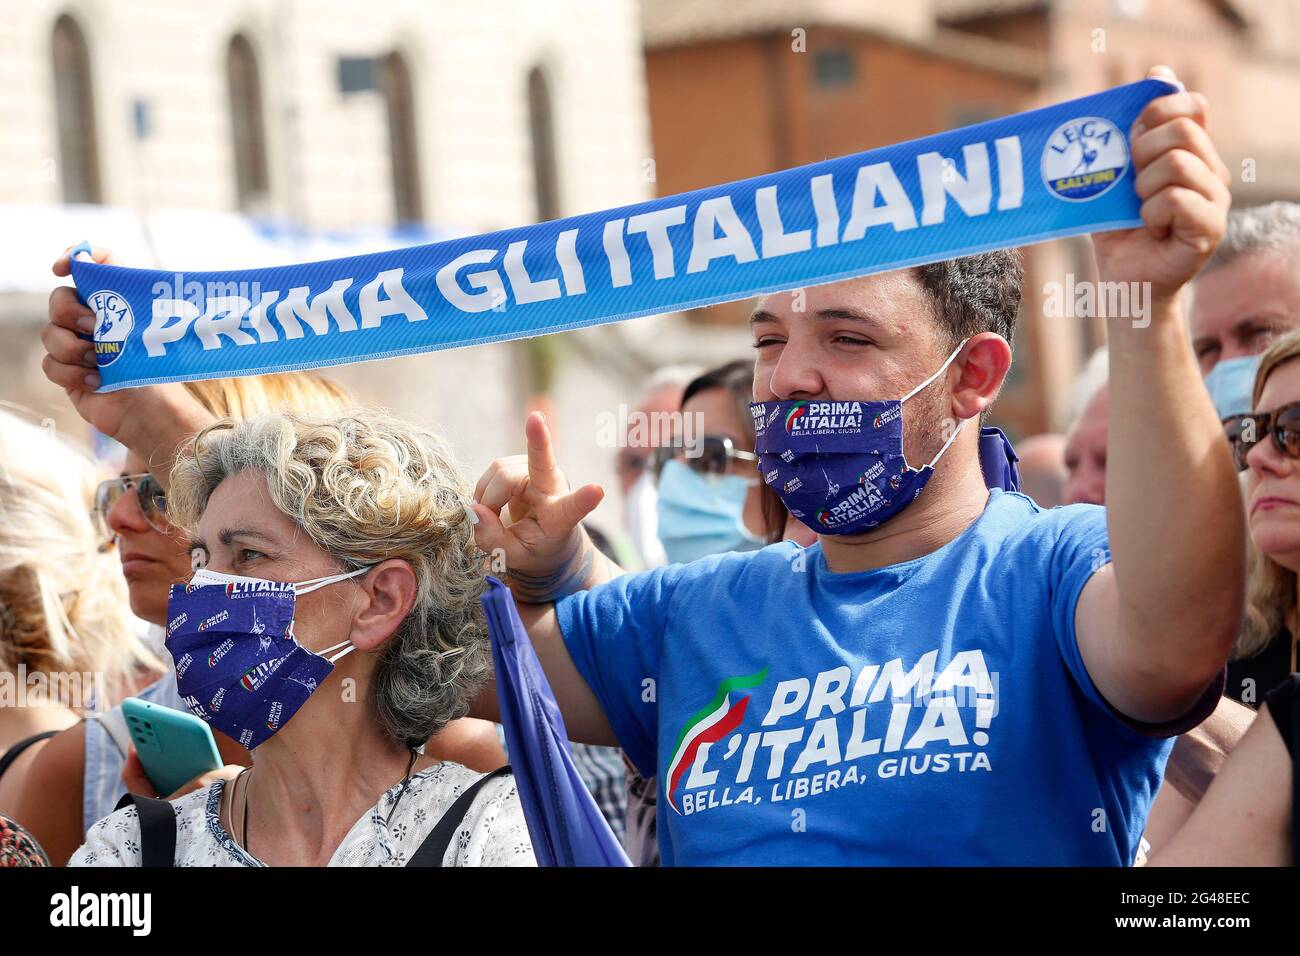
(950, 675)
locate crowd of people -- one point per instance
(1088, 660)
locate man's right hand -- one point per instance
(150, 421)
(546, 553)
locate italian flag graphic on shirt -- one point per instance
(709, 725)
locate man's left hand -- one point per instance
(1183, 185)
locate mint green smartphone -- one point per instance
(174, 747)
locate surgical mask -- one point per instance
(839, 467)
(700, 514)
(238, 665)
(641, 511)
(1231, 384)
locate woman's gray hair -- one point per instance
(368, 487)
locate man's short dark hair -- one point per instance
(979, 293)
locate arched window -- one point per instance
(75, 113)
(399, 94)
(542, 126)
(248, 130)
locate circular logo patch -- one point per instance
(1084, 158)
(113, 323)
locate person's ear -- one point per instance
(982, 368)
(390, 590)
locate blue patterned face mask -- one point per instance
(839, 466)
(1232, 385)
(238, 665)
(699, 514)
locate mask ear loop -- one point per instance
(331, 579)
(951, 439)
(306, 587)
(940, 371)
(350, 647)
(956, 431)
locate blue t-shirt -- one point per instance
(928, 713)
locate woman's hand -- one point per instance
(137, 781)
(133, 775)
(151, 421)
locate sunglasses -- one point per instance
(1246, 431)
(148, 492)
(716, 453)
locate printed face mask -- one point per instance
(839, 466)
(238, 665)
(699, 514)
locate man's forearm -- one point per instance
(1174, 510)
(583, 569)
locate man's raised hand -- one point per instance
(530, 520)
(1183, 185)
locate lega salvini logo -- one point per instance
(1084, 158)
(113, 323)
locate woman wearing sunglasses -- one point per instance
(1266, 446)
(1247, 815)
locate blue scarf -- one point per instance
(1057, 171)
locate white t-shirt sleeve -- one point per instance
(493, 832)
(113, 841)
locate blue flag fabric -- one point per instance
(1057, 171)
(998, 460)
(566, 826)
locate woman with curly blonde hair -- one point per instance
(78, 777)
(333, 627)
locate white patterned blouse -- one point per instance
(493, 832)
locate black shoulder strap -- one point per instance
(14, 752)
(1294, 746)
(157, 829)
(434, 847)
